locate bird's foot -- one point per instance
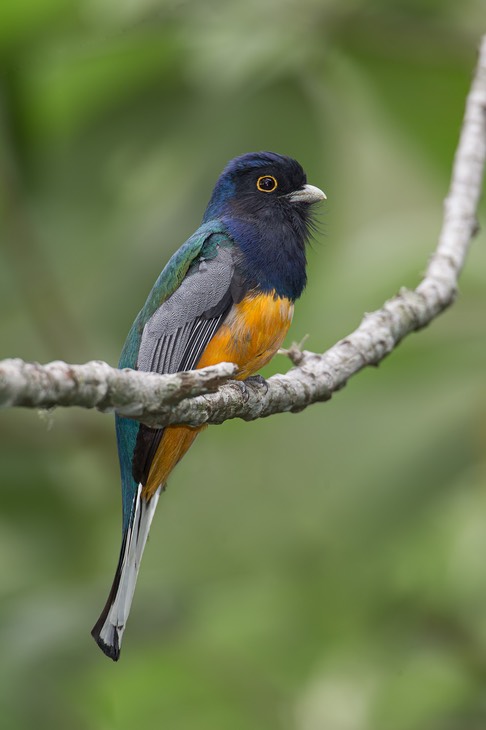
(257, 380)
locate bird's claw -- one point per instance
(257, 380)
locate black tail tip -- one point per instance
(111, 650)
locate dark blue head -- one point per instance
(265, 202)
(238, 192)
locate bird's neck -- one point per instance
(272, 256)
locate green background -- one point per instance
(318, 571)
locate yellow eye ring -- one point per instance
(267, 184)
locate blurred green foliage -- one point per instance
(322, 571)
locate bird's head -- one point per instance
(265, 187)
(266, 204)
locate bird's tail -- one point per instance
(108, 630)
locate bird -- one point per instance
(226, 295)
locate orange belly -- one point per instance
(250, 336)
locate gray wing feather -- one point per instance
(174, 338)
(175, 331)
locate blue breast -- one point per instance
(273, 255)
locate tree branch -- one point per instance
(97, 385)
(164, 399)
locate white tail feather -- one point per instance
(110, 633)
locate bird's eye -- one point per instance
(267, 184)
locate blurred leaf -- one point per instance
(69, 88)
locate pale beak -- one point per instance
(307, 194)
